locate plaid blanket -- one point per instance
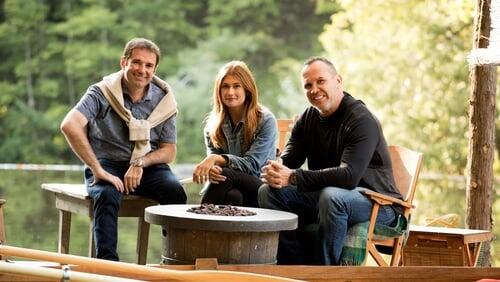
(354, 249)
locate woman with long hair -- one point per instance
(239, 137)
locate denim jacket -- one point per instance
(262, 147)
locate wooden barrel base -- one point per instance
(183, 246)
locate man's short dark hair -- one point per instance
(141, 43)
(311, 60)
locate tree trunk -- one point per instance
(481, 133)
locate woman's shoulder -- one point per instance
(267, 114)
(267, 123)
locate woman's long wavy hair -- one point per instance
(253, 110)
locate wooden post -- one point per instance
(481, 132)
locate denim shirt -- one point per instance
(262, 147)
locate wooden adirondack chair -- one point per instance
(406, 166)
(284, 127)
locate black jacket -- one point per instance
(346, 149)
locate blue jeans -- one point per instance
(158, 183)
(335, 209)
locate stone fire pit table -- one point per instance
(231, 239)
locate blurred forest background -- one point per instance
(405, 59)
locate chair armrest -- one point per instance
(189, 180)
(186, 181)
(382, 199)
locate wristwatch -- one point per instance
(292, 179)
(139, 162)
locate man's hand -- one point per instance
(132, 178)
(74, 128)
(215, 175)
(275, 174)
(101, 174)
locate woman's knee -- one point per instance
(233, 197)
(215, 193)
(229, 173)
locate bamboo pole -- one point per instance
(59, 274)
(144, 272)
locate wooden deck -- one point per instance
(321, 273)
(364, 273)
(209, 270)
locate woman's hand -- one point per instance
(201, 171)
(215, 175)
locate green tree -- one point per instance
(407, 60)
(26, 85)
(272, 37)
(283, 32)
(54, 50)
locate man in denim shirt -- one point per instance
(100, 138)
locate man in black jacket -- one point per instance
(345, 150)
